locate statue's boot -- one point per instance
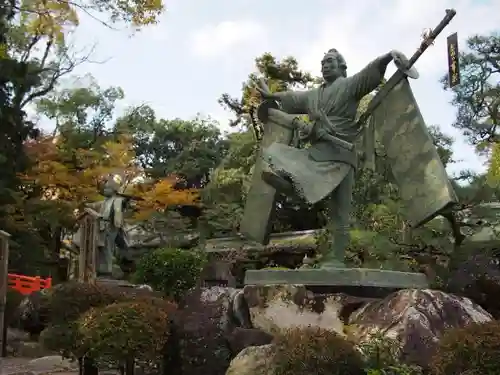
(334, 258)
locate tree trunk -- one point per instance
(87, 366)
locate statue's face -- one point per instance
(112, 185)
(333, 66)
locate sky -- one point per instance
(201, 49)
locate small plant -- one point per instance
(171, 271)
(382, 357)
(315, 351)
(474, 349)
(122, 331)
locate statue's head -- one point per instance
(112, 185)
(333, 66)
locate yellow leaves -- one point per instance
(54, 18)
(159, 196)
(50, 18)
(145, 12)
(76, 178)
(74, 175)
(493, 175)
(4, 51)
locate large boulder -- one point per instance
(252, 361)
(274, 308)
(211, 328)
(416, 319)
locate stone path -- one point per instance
(40, 366)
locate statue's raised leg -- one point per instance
(261, 197)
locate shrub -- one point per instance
(13, 301)
(125, 330)
(382, 356)
(172, 271)
(62, 305)
(315, 351)
(66, 302)
(63, 338)
(474, 349)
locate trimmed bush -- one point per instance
(315, 351)
(64, 339)
(63, 305)
(172, 271)
(66, 302)
(126, 330)
(474, 349)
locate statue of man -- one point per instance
(326, 168)
(111, 225)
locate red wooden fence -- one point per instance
(28, 284)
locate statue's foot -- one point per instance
(278, 182)
(332, 264)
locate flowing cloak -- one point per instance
(316, 171)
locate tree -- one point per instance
(188, 149)
(69, 165)
(477, 98)
(15, 130)
(232, 178)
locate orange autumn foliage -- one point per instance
(156, 197)
(74, 175)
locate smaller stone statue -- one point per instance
(112, 236)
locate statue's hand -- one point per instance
(263, 89)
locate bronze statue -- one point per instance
(326, 168)
(324, 171)
(112, 236)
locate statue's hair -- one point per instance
(332, 50)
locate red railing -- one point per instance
(28, 284)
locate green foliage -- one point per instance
(125, 330)
(190, 149)
(315, 351)
(171, 271)
(66, 302)
(62, 305)
(62, 308)
(63, 338)
(381, 356)
(477, 98)
(474, 349)
(13, 300)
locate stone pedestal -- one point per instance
(339, 278)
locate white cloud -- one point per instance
(374, 27)
(214, 40)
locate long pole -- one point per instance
(4, 266)
(398, 76)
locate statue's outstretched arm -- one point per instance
(369, 78)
